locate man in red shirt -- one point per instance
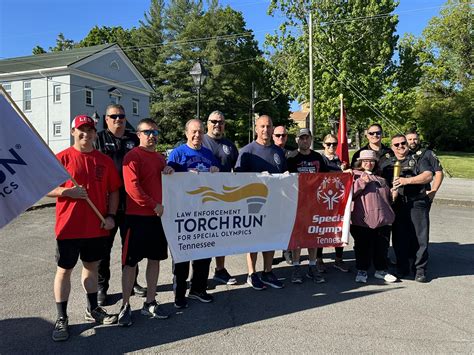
(145, 238)
(79, 232)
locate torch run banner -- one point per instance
(207, 215)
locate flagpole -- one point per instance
(28, 123)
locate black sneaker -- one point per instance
(254, 281)
(125, 316)
(315, 275)
(139, 290)
(224, 277)
(180, 303)
(269, 279)
(60, 331)
(200, 296)
(154, 310)
(99, 315)
(297, 276)
(420, 277)
(102, 298)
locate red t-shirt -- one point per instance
(142, 178)
(97, 174)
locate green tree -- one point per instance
(353, 43)
(38, 50)
(63, 44)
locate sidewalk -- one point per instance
(454, 191)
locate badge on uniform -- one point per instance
(418, 152)
(412, 163)
(387, 155)
(130, 145)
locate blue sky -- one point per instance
(27, 23)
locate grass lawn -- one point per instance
(458, 164)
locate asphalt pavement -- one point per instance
(339, 316)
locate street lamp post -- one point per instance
(199, 75)
(252, 113)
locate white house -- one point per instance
(53, 88)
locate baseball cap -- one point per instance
(304, 132)
(367, 155)
(82, 120)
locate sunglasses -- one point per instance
(216, 122)
(278, 135)
(400, 144)
(376, 133)
(148, 132)
(329, 144)
(114, 117)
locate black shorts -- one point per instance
(145, 239)
(90, 250)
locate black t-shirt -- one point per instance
(224, 150)
(311, 163)
(333, 164)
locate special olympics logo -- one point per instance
(330, 192)
(255, 194)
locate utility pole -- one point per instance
(311, 99)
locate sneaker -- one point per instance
(420, 277)
(341, 266)
(99, 315)
(383, 275)
(361, 276)
(180, 303)
(224, 277)
(139, 290)
(296, 276)
(204, 297)
(60, 331)
(288, 256)
(153, 310)
(102, 298)
(254, 281)
(125, 316)
(314, 275)
(269, 278)
(320, 266)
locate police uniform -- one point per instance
(115, 148)
(410, 230)
(382, 154)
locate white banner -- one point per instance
(225, 213)
(28, 170)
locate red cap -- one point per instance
(82, 120)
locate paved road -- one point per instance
(338, 317)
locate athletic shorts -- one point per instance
(89, 249)
(144, 239)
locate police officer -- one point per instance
(410, 230)
(374, 136)
(423, 152)
(115, 141)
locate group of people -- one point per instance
(116, 185)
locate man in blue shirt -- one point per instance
(192, 156)
(226, 152)
(262, 156)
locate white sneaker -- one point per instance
(383, 275)
(361, 276)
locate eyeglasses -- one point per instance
(400, 144)
(114, 117)
(329, 144)
(278, 135)
(376, 133)
(148, 132)
(216, 122)
(367, 161)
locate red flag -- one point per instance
(342, 150)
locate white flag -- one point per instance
(28, 169)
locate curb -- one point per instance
(451, 202)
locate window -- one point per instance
(8, 88)
(56, 129)
(135, 107)
(57, 93)
(89, 97)
(115, 95)
(27, 96)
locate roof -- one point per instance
(299, 115)
(49, 60)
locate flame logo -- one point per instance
(255, 193)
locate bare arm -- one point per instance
(75, 192)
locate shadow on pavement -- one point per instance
(232, 307)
